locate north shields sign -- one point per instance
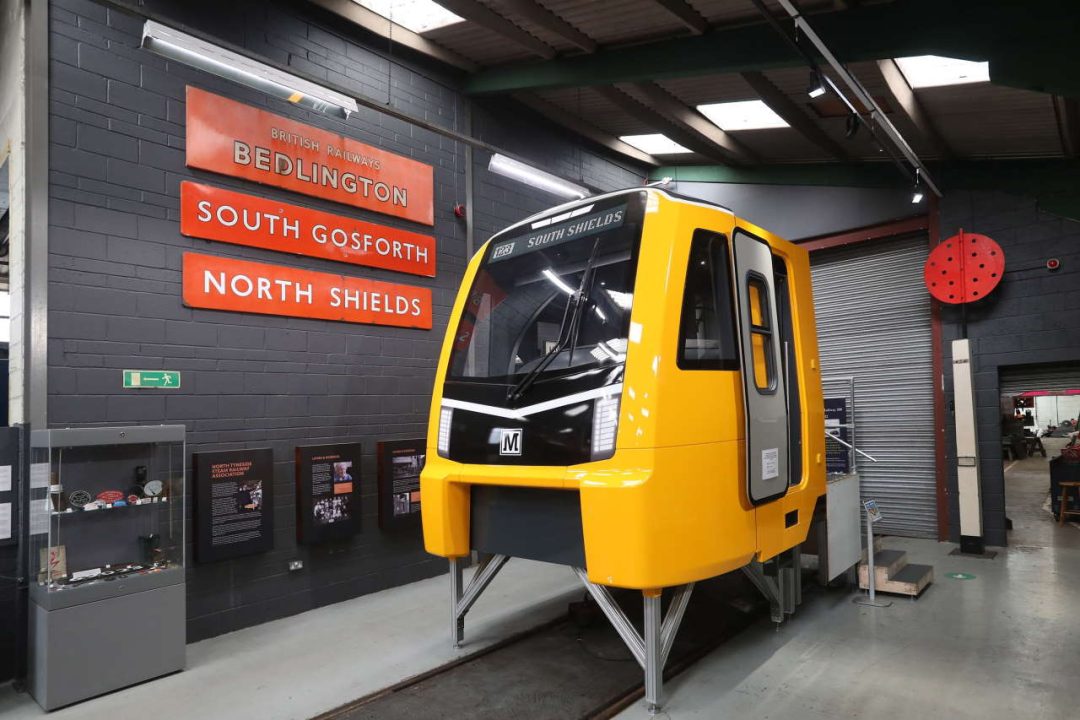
(232, 217)
(218, 283)
(229, 137)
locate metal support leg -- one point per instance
(457, 621)
(461, 601)
(654, 667)
(653, 648)
(769, 587)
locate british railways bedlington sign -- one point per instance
(232, 138)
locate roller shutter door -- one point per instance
(873, 319)
(1015, 380)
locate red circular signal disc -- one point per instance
(964, 268)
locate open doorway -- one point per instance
(1040, 408)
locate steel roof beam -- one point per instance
(1067, 112)
(549, 21)
(660, 123)
(496, 23)
(794, 116)
(904, 98)
(585, 129)
(687, 15)
(997, 31)
(691, 121)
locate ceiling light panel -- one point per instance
(926, 71)
(420, 16)
(655, 144)
(742, 115)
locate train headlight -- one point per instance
(445, 419)
(605, 425)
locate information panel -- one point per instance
(226, 216)
(234, 503)
(218, 283)
(837, 455)
(400, 464)
(229, 137)
(327, 492)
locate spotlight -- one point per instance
(817, 85)
(917, 193)
(851, 126)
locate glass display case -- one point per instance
(106, 552)
(106, 504)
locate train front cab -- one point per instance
(700, 351)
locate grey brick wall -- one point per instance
(1028, 319)
(116, 159)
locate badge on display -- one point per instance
(79, 499)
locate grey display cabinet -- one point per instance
(107, 605)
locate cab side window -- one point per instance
(707, 339)
(761, 334)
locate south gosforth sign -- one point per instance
(232, 217)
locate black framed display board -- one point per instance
(327, 492)
(400, 463)
(234, 503)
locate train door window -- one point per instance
(707, 338)
(789, 361)
(761, 334)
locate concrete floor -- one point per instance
(1001, 645)
(301, 666)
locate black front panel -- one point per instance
(556, 437)
(532, 523)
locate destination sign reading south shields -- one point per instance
(555, 233)
(232, 138)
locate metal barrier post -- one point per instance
(872, 516)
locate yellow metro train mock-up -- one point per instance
(629, 385)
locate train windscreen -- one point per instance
(553, 298)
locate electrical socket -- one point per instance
(296, 565)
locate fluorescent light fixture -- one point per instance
(558, 281)
(817, 84)
(654, 144)
(742, 115)
(216, 60)
(420, 16)
(925, 71)
(511, 168)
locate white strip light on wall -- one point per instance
(190, 50)
(508, 167)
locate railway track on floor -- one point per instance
(574, 666)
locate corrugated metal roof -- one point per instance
(977, 121)
(616, 22)
(985, 120)
(482, 46)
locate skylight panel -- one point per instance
(742, 115)
(926, 71)
(420, 16)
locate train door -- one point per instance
(764, 391)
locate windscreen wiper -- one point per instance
(567, 331)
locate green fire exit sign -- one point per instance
(151, 379)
